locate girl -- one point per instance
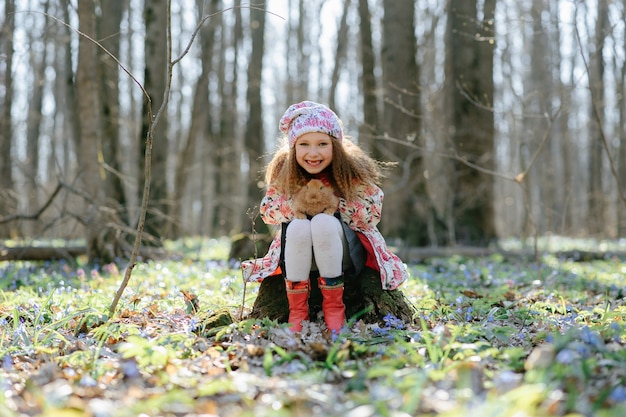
(315, 148)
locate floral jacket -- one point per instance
(361, 215)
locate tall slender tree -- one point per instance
(70, 84)
(595, 193)
(109, 22)
(231, 140)
(8, 203)
(254, 138)
(621, 101)
(400, 86)
(469, 100)
(199, 114)
(370, 127)
(299, 49)
(155, 77)
(539, 90)
(38, 57)
(340, 54)
(97, 234)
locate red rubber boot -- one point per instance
(298, 297)
(332, 303)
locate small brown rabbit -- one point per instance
(314, 198)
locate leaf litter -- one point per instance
(492, 337)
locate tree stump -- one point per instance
(363, 296)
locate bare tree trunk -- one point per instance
(556, 149)
(299, 48)
(568, 152)
(621, 227)
(340, 54)
(254, 127)
(229, 188)
(538, 89)
(469, 94)
(89, 113)
(595, 193)
(38, 57)
(155, 74)
(109, 31)
(226, 162)
(401, 122)
(8, 202)
(72, 99)
(370, 128)
(185, 157)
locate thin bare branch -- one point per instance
(546, 135)
(35, 215)
(598, 118)
(95, 42)
(455, 157)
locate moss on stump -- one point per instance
(210, 323)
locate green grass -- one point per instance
(492, 337)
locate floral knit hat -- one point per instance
(307, 117)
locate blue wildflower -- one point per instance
(566, 356)
(7, 362)
(591, 338)
(618, 395)
(393, 322)
(130, 368)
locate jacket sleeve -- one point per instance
(364, 212)
(276, 208)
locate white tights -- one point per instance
(313, 244)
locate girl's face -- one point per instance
(314, 151)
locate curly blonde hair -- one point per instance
(350, 167)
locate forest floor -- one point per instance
(492, 336)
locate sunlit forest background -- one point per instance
(505, 118)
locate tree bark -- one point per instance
(370, 128)
(255, 146)
(229, 188)
(186, 154)
(38, 67)
(71, 110)
(340, 54)
(621, 83)
(52, 253)
(8, 200)
(400, 86)
(595, 193)
(155, 75)
(41, 253)
(109, 27)
(539, 88)
(97, 234)
(469, 99)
